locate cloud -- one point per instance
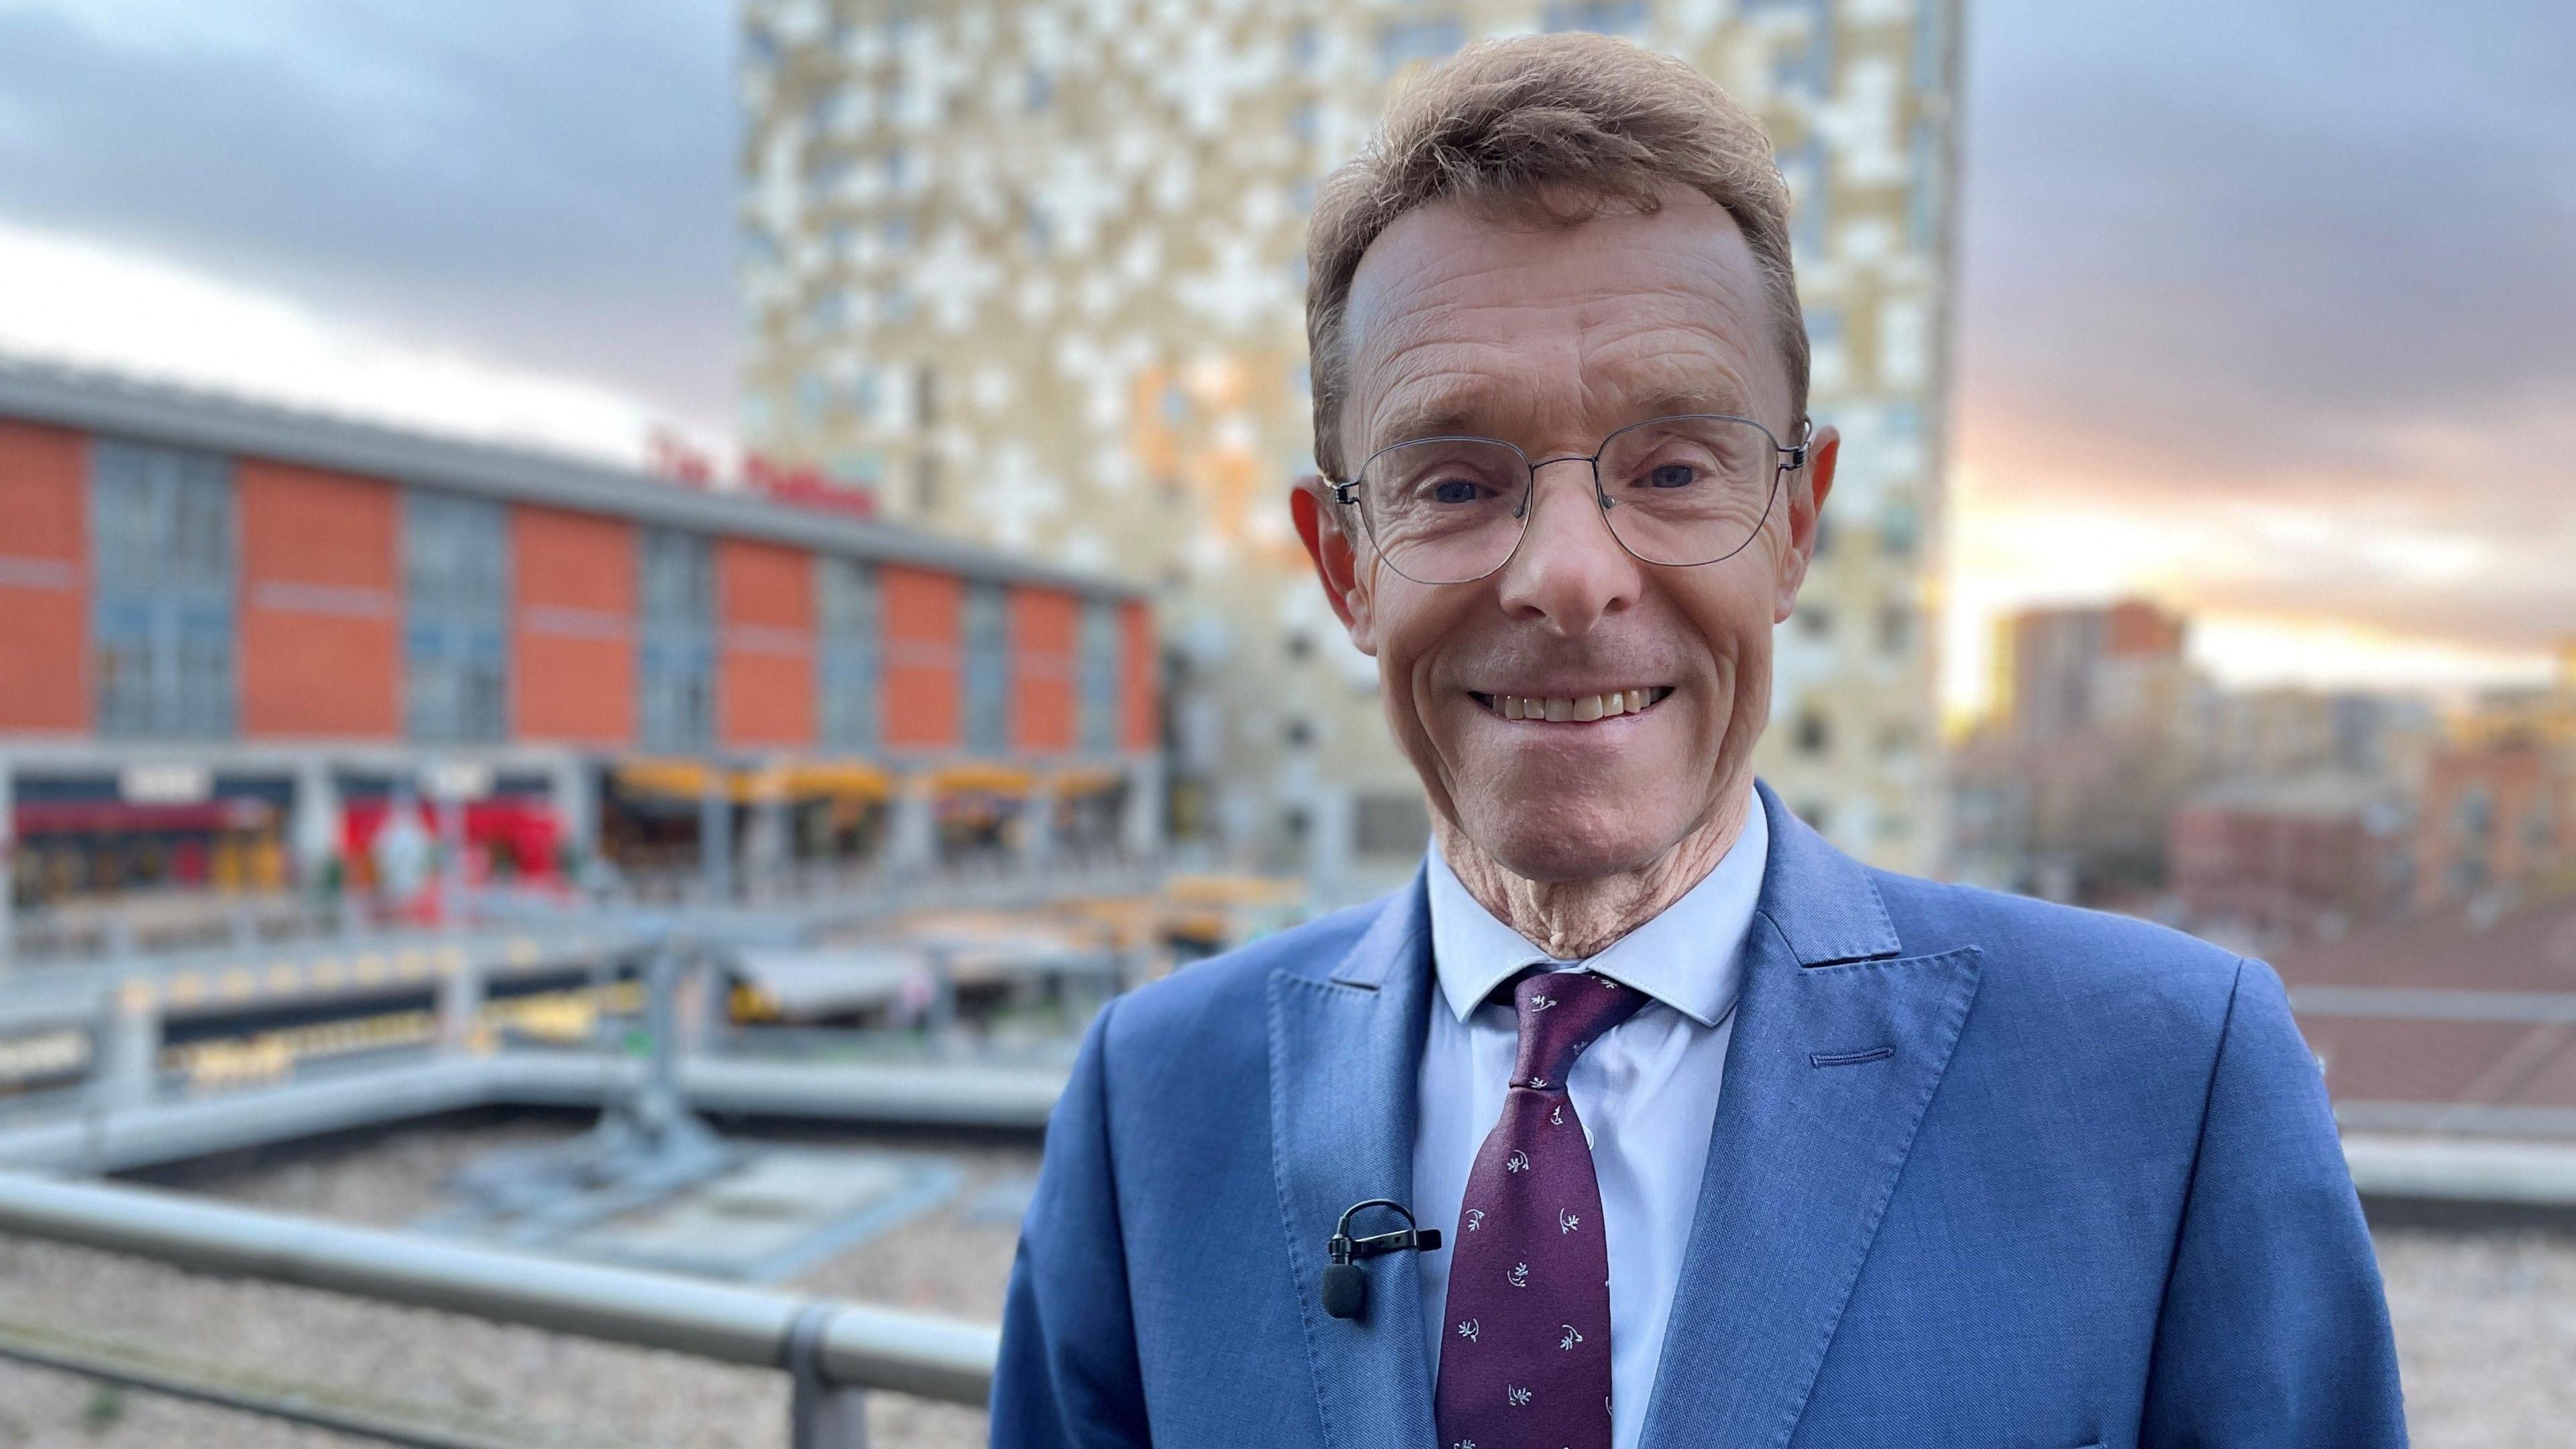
(2268, 309)
(73, 300)
(547, 183)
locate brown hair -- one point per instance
(1525, 124)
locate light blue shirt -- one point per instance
(1647, 1091)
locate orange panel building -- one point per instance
(351, 620)
(924, 612)
(765, 647)
(1044, 625)
(1139, 700)
(319, 603)
(44, 580)
(572, 631)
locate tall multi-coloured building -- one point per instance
(1034, 273)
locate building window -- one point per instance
(1815, 733)
(677, 664)
(1391, 825)
(1900, 528)
(848, 658)
(1402, 42)
(1923, 190)
(456, 596)
(988, 670)
(1605, 17)
(1895, 629)
(1811, 208)
(163, 553)
(1810, 68)
(2476, 813)
(1102, 644)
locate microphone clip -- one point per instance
(1345, 1285)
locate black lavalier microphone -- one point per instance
(1345, 1285)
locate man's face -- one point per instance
(1550, 337)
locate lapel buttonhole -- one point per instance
(1849, 1059)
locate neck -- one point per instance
(1574, 919)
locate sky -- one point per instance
(2264, 310)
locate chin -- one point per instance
(1568, 841)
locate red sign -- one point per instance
(805, 486)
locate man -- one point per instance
(1729, 1139)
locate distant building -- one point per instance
(2065, 791)
(2495, 821)
(1035, 274)
(2116, 669)
(2280, 730)
(2489, 1069)
(2542, 715)
(2292, 856)
(243, 643)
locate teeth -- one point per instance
(1580, 709)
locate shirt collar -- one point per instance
(1687, 956)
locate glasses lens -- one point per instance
(1444, 510)
(1688, 490)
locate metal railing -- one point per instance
(832, 1350)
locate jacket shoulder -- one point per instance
(2090, 965)
(1210, 1009)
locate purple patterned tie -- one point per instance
(1525, 1356)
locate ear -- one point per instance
(1337, 563)
(1807, 489)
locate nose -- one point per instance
(1569, 570)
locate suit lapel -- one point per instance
(1813, 1126)
(1345, 1048)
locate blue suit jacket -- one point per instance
(2090, 1194)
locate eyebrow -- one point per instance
(1452, 413)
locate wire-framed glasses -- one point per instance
(1680, 491)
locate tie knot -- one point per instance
(1561, 1013)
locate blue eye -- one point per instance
(1673, 475)
(1453, 490)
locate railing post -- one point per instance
(129, 1057)
(819, 1415)
(940, 1023)
(8, 867)
(460, 997)
(715, 835)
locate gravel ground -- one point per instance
(2486, 1323)
(2486, 1336)
(521, 1383)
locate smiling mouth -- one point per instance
(1578, 709)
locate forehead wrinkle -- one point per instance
(1482, 353)
(1451, 394)
(1662, 371)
